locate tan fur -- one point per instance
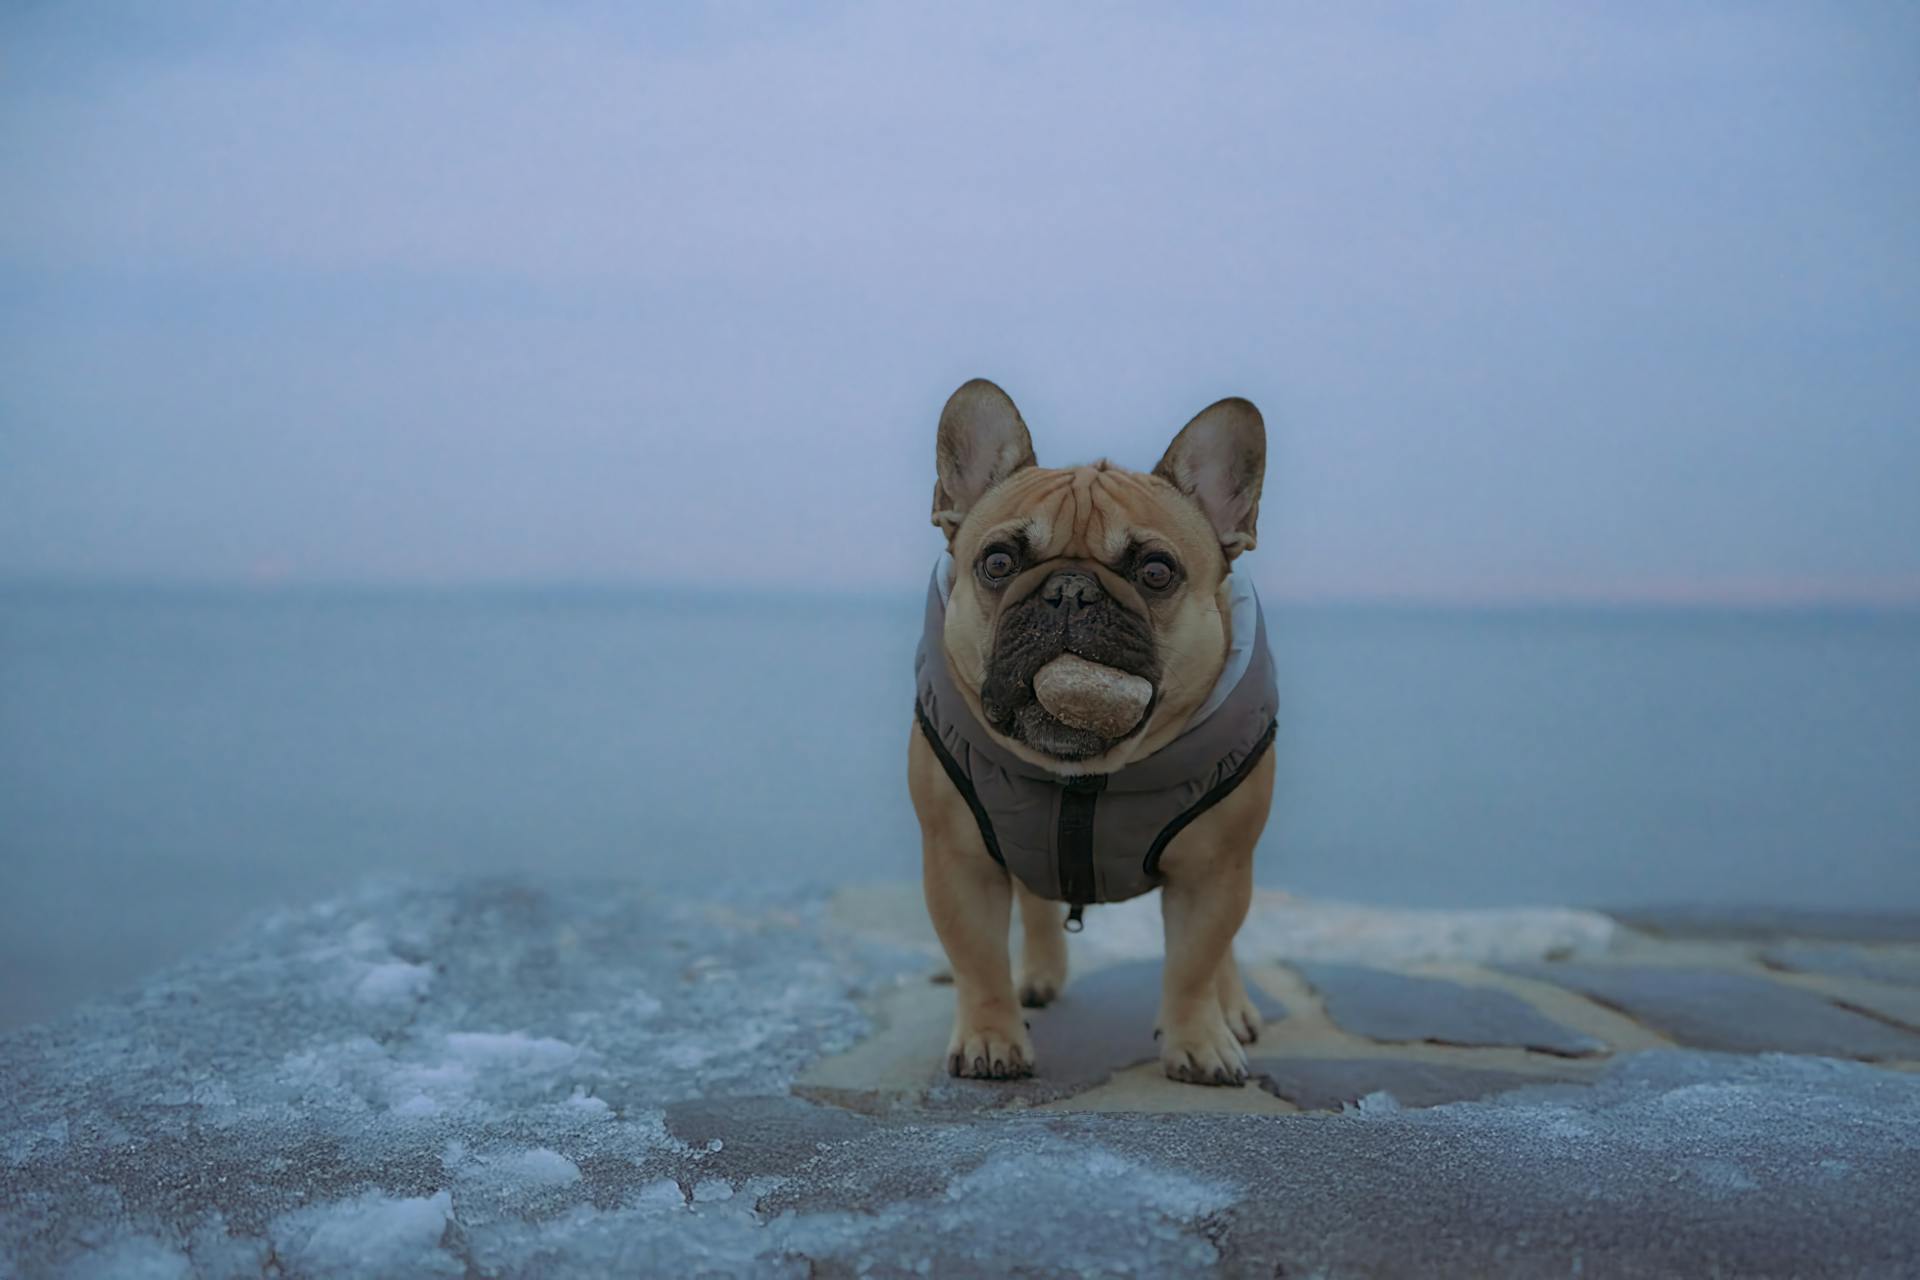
(1087, 516)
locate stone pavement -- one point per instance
(503, 1079)
(1465, 1022)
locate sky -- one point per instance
(1596, 301)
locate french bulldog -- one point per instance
(1094, 716)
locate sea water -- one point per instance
(172, 761)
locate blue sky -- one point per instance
(1540, 300)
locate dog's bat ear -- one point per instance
(1220, 461)
(982, 442)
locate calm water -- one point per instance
(170, 762)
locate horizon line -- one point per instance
(1897, 595)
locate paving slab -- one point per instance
(1383, 1005)
(1761, 924)
(1876, 965)
(1329, 1084)
(1894, 1004)
(1101, 1024)
(1145, 1089)
(1732, 1011)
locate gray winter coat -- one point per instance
(1097, 838)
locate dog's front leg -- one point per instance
(968, 898)
(1204, 1011)
(1201, 914)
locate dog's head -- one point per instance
(1120, 573)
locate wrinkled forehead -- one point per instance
(1097, 512)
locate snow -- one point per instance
(1118, 1214)
(531, 1168)
(336, 1078)
(133, 1258)
(594, 1081)
(369, 1235)
(393, 982)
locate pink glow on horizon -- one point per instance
(1744, 593)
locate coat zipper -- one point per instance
(1075, 842)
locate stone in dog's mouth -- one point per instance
(1100, 646)
(1083, 694)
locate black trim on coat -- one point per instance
(961, 782)
(1224, 788)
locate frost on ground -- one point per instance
(495, 1080)
(416, 1082)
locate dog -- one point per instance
(1115, 588)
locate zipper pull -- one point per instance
(1074, 923)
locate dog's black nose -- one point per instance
(1071, 589)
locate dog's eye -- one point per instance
(1156, 573)
(998, 565)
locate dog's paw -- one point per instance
(1043, 962)
(990, 1049)
(1203, 1050)
(1037, 993)
(1041, 981)
(1242, 1018)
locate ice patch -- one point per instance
(540, 1165)
(319, 1058)
(640, 1006)
(393, 982)
(369, 1235)
(663, 1194)
(513, 1051)
(463, 1068)
(132, 1258)
(1123, 1216)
